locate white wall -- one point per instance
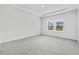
(18, 24)
(0, 30)
(70, 25)
(78, 24)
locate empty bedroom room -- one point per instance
(39, 29)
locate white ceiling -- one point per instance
(47, 7)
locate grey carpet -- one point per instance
(40, 45)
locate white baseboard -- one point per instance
(20, 38)
(57, 37)
(34, 36)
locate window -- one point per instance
(59, 25)
(56, 24)
(50, 25)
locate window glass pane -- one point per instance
(59, 25)
(50, 24)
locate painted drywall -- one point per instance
(17, 24)
(78, 24)
(0, 32)
(70, 25)
(0, 29)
